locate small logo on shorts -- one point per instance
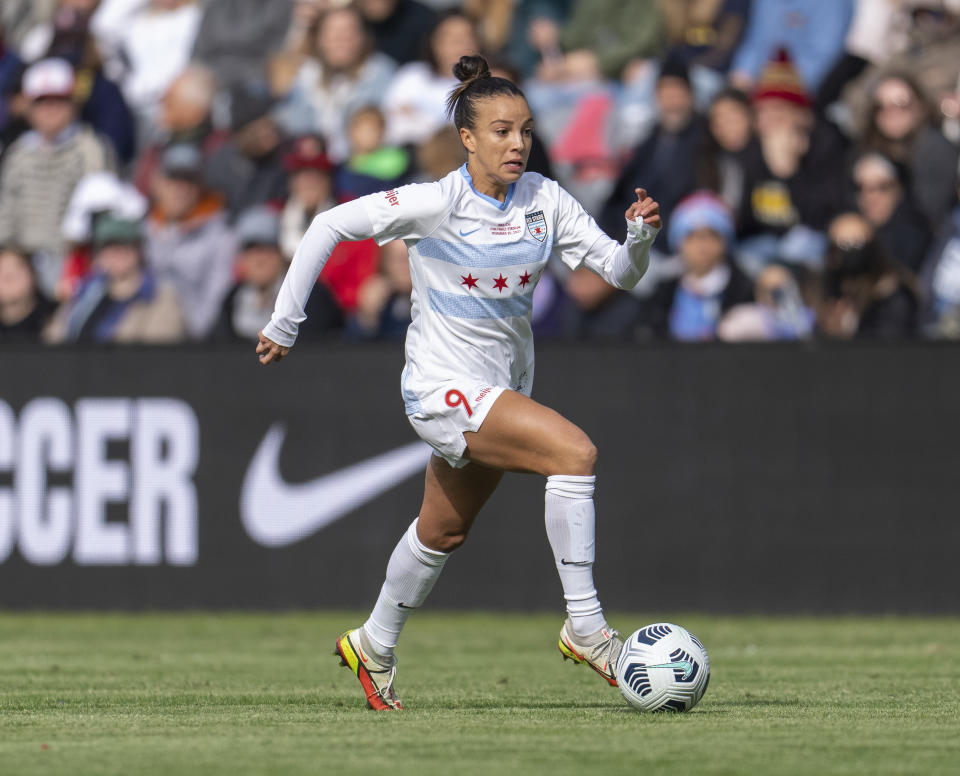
(479, 396)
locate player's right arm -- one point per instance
(344, 222)
(408, 212)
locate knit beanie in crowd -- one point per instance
(780, 80)
(701, 210)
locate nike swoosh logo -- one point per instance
(566, 562)
(466, 234)
(276, 513)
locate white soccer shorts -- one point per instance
(454, 407)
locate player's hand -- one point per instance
(269, 351)
(646, 207)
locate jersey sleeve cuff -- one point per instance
(641, 230)
(273, 333)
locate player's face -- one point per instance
(499, 144)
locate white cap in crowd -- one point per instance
(48, 78)
(100, 192)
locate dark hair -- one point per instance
(15, 248)
(707, 159)
(476, 83)
(367, 45)
(26, 258)
(427, 53)
(733, 94)
(674, 66)
(901, 172)
(871, 136)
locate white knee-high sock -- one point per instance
(571, 529)
(411, 573)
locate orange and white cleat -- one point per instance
(375, 678)
(599, 650)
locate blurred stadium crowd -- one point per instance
(162, 158)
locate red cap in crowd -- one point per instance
(780, 80)
(307, 154)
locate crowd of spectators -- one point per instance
(161, 159)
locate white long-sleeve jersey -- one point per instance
(474, 262)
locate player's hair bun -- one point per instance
(471, 68)
(476, 83)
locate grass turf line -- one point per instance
(486, 694)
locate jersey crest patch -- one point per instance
(537, 225)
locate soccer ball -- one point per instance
(663, 667)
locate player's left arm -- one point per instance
(269, 351)
(646, 210)
(622, 265)
(582, 243)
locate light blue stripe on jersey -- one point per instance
(495, 202)
(411, 402)
(463, 306)
(485, 256)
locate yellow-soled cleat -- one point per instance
(599, 650)
(375, 678)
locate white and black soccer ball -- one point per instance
(663, 667)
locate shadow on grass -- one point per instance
(482, 704)
(741, 703)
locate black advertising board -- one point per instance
(775, 478)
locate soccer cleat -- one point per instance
(599, 651)
(375, 678)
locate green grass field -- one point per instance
(486, 694)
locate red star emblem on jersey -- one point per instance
(500, 283)
(524, 279)
(469, 281)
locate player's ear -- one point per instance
(466, 137)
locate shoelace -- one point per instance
(612, 645)
(609, 646)
(386, 692)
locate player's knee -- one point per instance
(448, 542)
(438, 538)
(587, 457)
(579, 457)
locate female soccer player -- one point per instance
(478, 241)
